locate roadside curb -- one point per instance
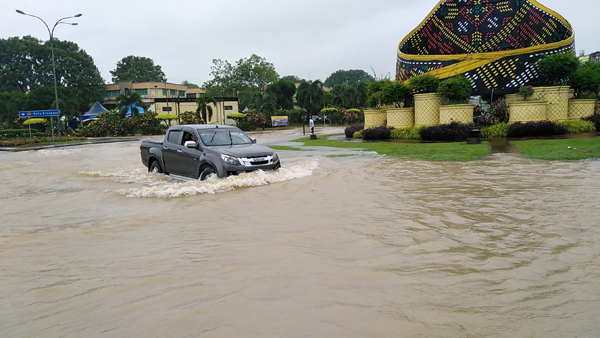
(52, 146)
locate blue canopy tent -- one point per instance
(95, 111)
(140, 109)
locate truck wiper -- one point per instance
(212, 140)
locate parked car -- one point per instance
(198, 151)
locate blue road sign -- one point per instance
(38, 113)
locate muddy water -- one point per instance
(361, 246)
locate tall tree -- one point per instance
(352, 77)
(283, 91)
(137, 69)
(189, 84)
(204, 110)
(11, 103)
(26, 65)
(346, 96)
(310, 97)
(247, 79)
(224, 81)
(292, 78)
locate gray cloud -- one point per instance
(309, 38)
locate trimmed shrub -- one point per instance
(595, 119)
(495, 131)
(351, 130)
(411, 133)
(376, 134)
(422, 84)
(557, 69)
(578, 126)
(535, 129)
(357, 134)
(586, 79)
(456, 89)
(394, 94)
(446, 132)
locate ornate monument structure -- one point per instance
(495, 43)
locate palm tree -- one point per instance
(124, 101)
(346, 96)
(310, 97)
(205, 111)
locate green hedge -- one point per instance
(19, 133)
(497, 130)
(411, 133)
(578, 126)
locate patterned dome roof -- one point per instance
(495, 43)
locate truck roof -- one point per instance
(204, 126)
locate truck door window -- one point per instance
(187, 136)
(173, 136)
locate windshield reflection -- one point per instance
(223, 137)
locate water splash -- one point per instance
(158, 185)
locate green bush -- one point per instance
(411, 133)
(586, 79)
(557, 69)
(349, 131)
(189, 117)
(446, 132)
(578, 126)
(495, 131)
(456, 89)
(375, 93)
(422, 84)
(376, 134)
(595, 119)
(357, 134)
(535, 129)
(394, 94)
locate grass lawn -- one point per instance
(457, 151)
(560, 150)
(287, 148)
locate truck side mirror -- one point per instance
(253, 139)
(190, 144)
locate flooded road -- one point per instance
(360, 246)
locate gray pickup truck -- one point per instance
(198, 151)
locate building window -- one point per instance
(228, 108)
(111, 93)
(143, 92)
(167, 108)
(164, 92)
(181, 93)
(191, 96)
(173, 93)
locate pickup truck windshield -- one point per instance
(223, 137)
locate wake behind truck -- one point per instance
(199, 151)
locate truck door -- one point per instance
(170, 155)
(188, 157)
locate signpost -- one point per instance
(40, 113)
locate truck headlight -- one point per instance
(275, 157)
(230, 159)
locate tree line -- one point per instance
(27, 83)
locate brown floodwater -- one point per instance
(91, 245)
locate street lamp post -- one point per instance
(51, 32)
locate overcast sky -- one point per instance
(307, 38)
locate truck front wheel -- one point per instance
(155, 168)
(207, 172)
